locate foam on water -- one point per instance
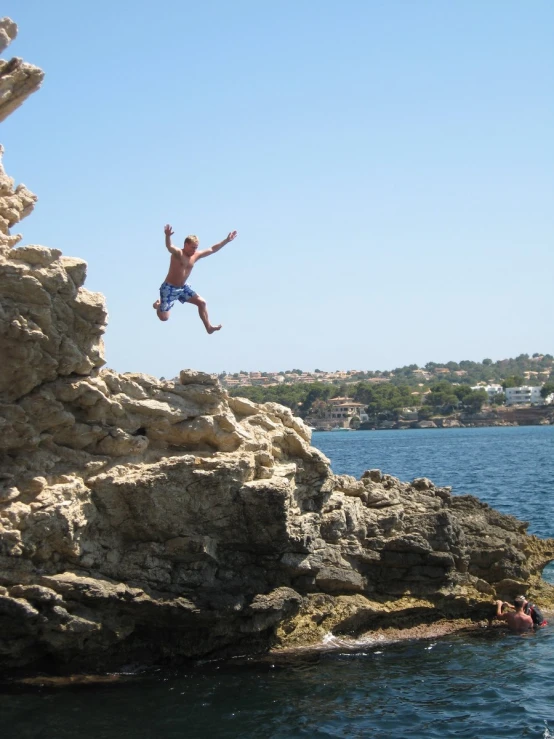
(330, 641)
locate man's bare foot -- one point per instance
(213, 328)
(156, 305)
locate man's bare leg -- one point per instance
(200, 303)
(162, 315)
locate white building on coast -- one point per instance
(491, 390)
(525, 395)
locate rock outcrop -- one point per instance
(146, 520)
(17, 78)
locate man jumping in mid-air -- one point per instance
(180, 266)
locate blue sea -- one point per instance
(487, 684)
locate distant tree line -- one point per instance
(299, 397)
(388, 400)
(486, 371)
(383, 401)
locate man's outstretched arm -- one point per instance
(216, 247)
(168, 245)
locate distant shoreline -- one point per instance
(519, 416)
(416, 427)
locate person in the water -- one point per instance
(516, 620)
(531, 609)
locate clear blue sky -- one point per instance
(389, 166)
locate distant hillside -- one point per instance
(299, 390)
(528, 370)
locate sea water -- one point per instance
(486, 684)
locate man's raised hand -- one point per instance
(169, 231)
(231, 236)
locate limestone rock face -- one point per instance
(50, 325)
(8, 31)
(17, 78)
(15, 204)
(150, 520)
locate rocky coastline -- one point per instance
(155, 521)
(521, 416)
(512, 416)
(399, 426)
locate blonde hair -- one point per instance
(192, 239)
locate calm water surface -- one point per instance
(512, 467)
(487, 685)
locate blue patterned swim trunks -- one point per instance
(169, 294)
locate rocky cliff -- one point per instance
(146, 520)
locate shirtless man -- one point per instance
(518, 620)
(180, 266)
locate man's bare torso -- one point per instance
(180, 268)
(519, 621)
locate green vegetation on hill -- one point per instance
(433, 390)
(299, 398)
(487, 371)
